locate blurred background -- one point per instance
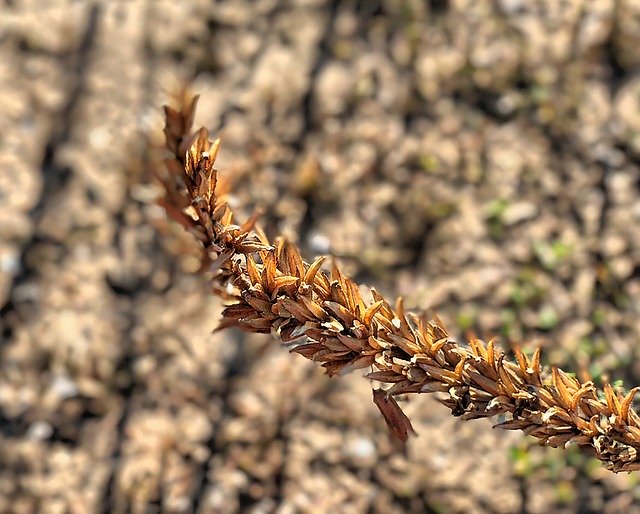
(478, 157)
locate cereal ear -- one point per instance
(323, 317)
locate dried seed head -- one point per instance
(273, 290)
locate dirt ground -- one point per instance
(478, 157)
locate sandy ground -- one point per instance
(478, 157)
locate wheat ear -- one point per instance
(324, 318)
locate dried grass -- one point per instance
(323, 316)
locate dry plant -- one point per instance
(323, 316)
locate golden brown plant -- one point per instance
(324, 317)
